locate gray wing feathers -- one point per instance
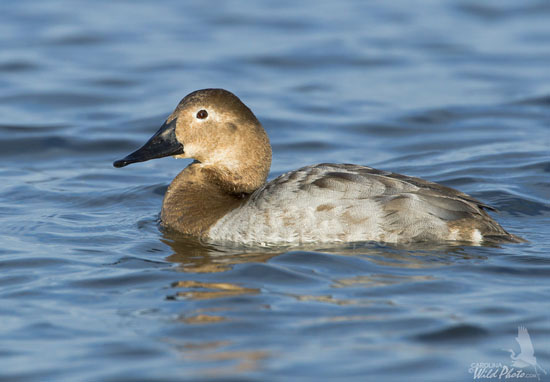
(365, 182)
(412, 208)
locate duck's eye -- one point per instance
(202, 114)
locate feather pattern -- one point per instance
(346, 202)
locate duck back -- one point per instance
(346, 203)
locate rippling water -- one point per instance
(91, 290)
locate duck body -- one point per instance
(223, 196)
(328, 203)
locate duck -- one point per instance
(223, 196)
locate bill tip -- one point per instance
(120, 163)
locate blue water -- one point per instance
(456, 92)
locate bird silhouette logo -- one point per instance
(526, 356)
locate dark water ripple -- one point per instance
(91, 288)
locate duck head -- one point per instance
(219, 131)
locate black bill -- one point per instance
(162, 144)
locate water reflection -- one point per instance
(328, 299)
(210, 352)
(225, 292)
(379, 280)
(335, 274)
(193, 256)
(210, 290)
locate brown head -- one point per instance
(215, 128)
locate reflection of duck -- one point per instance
(222, 196)
(194, 256)
(526, 356)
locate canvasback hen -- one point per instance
(223, 195)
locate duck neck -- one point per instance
(239, 168)
(199, 196)
(242, 180)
